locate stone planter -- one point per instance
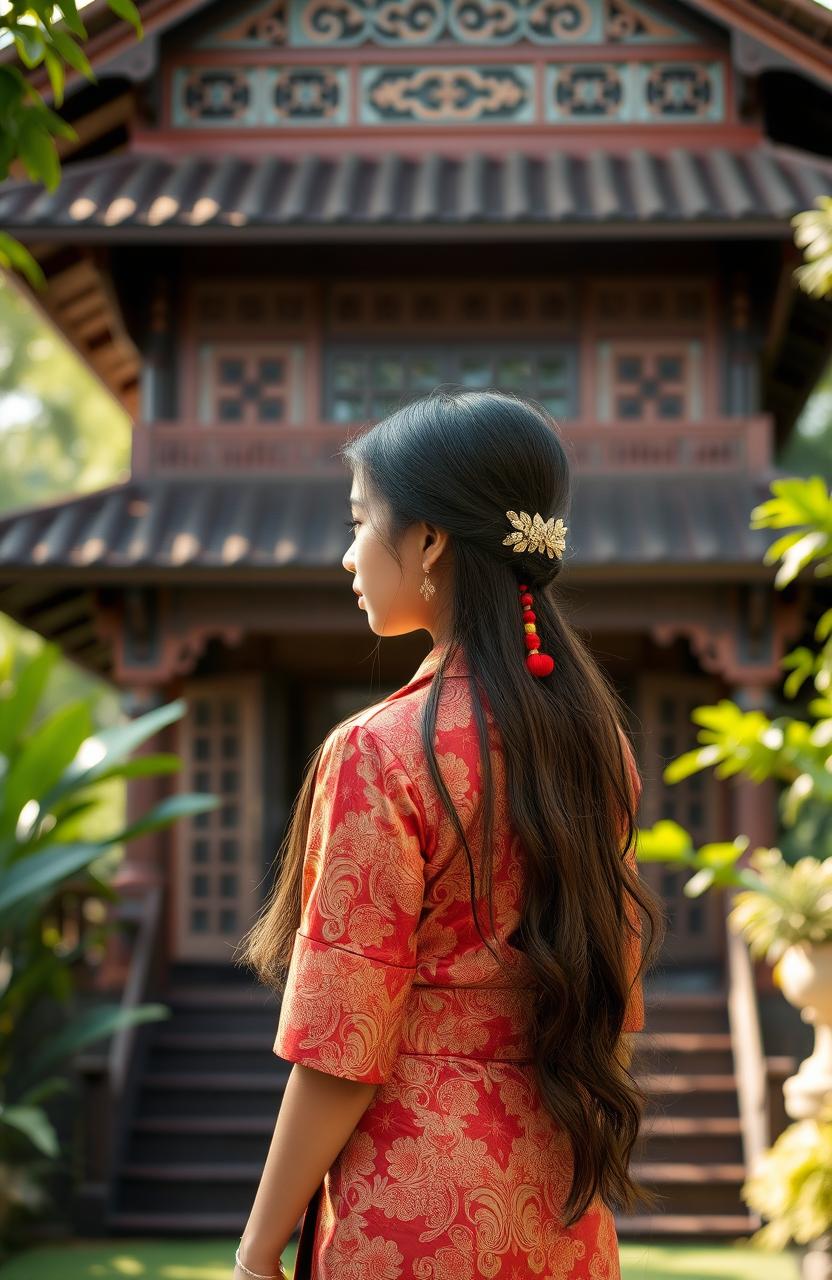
(815, 1259)
(805, 973)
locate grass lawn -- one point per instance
(213, 1260)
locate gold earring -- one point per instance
(427, 588)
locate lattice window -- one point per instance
(685, 306)
(656, 382)
(434, 306)
(223, 306)
(251, 384)
(217, 852)
(371, 381)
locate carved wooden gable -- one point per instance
(457, 63)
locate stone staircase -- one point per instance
(206, 1109)
(689, 1150)
(211, 1090)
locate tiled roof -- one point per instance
(276, 524)
(113, 196)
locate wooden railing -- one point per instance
(110, 1077)
(759, 1076)
(749, 1057)
(714, 445)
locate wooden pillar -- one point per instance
(143, 864)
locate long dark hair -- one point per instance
(459, 460)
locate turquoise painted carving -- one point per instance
(447, 95)
(496, 94)
(643, 92)
(234, 97)
(420, 23)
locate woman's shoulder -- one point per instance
(387, 726)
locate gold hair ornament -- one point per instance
(537, 534)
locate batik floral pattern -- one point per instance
(455, 1171)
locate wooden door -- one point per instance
(664, 702)
(218, 862)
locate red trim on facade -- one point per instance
(522, 52)
(535, 140)
(715, 444)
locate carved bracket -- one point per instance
(748, 639)
(152, 643)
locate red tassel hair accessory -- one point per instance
(540, 664)
(535, 534)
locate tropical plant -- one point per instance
(794, 751)
(792, 904)
(52, 771)
(813, 232)
(779, 906)
(791, 1185)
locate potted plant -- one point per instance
(788, 920)
(791, 1185)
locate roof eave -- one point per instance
(407, 232)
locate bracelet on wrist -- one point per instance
(256, 1275)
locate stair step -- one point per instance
(686, 1041)
(202, 1224)
(204, 1124)
(664, 1171)
(682, 1126)
(208, 1139)
(667, 999)
(227, 1171)
(221, 997)
(693, 1224)
(672, 1083)
(226, 1081)
(216, 1040)
(670, 1126)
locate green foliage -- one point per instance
(60, 430)
(813, 232)
(804, 503)
(791, 1184)
(53, 767)
(790, 749)
(790, 904)
(779, 905)
(48, 35)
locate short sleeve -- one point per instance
(354, 954)
(634, 1012)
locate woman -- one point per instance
(457, 915)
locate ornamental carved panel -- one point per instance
(446, 95)
(212, 97)
(418, 23)
(643, 92)
(244, 79)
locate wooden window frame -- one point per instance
(448, 357)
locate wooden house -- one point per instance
(280, 219)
